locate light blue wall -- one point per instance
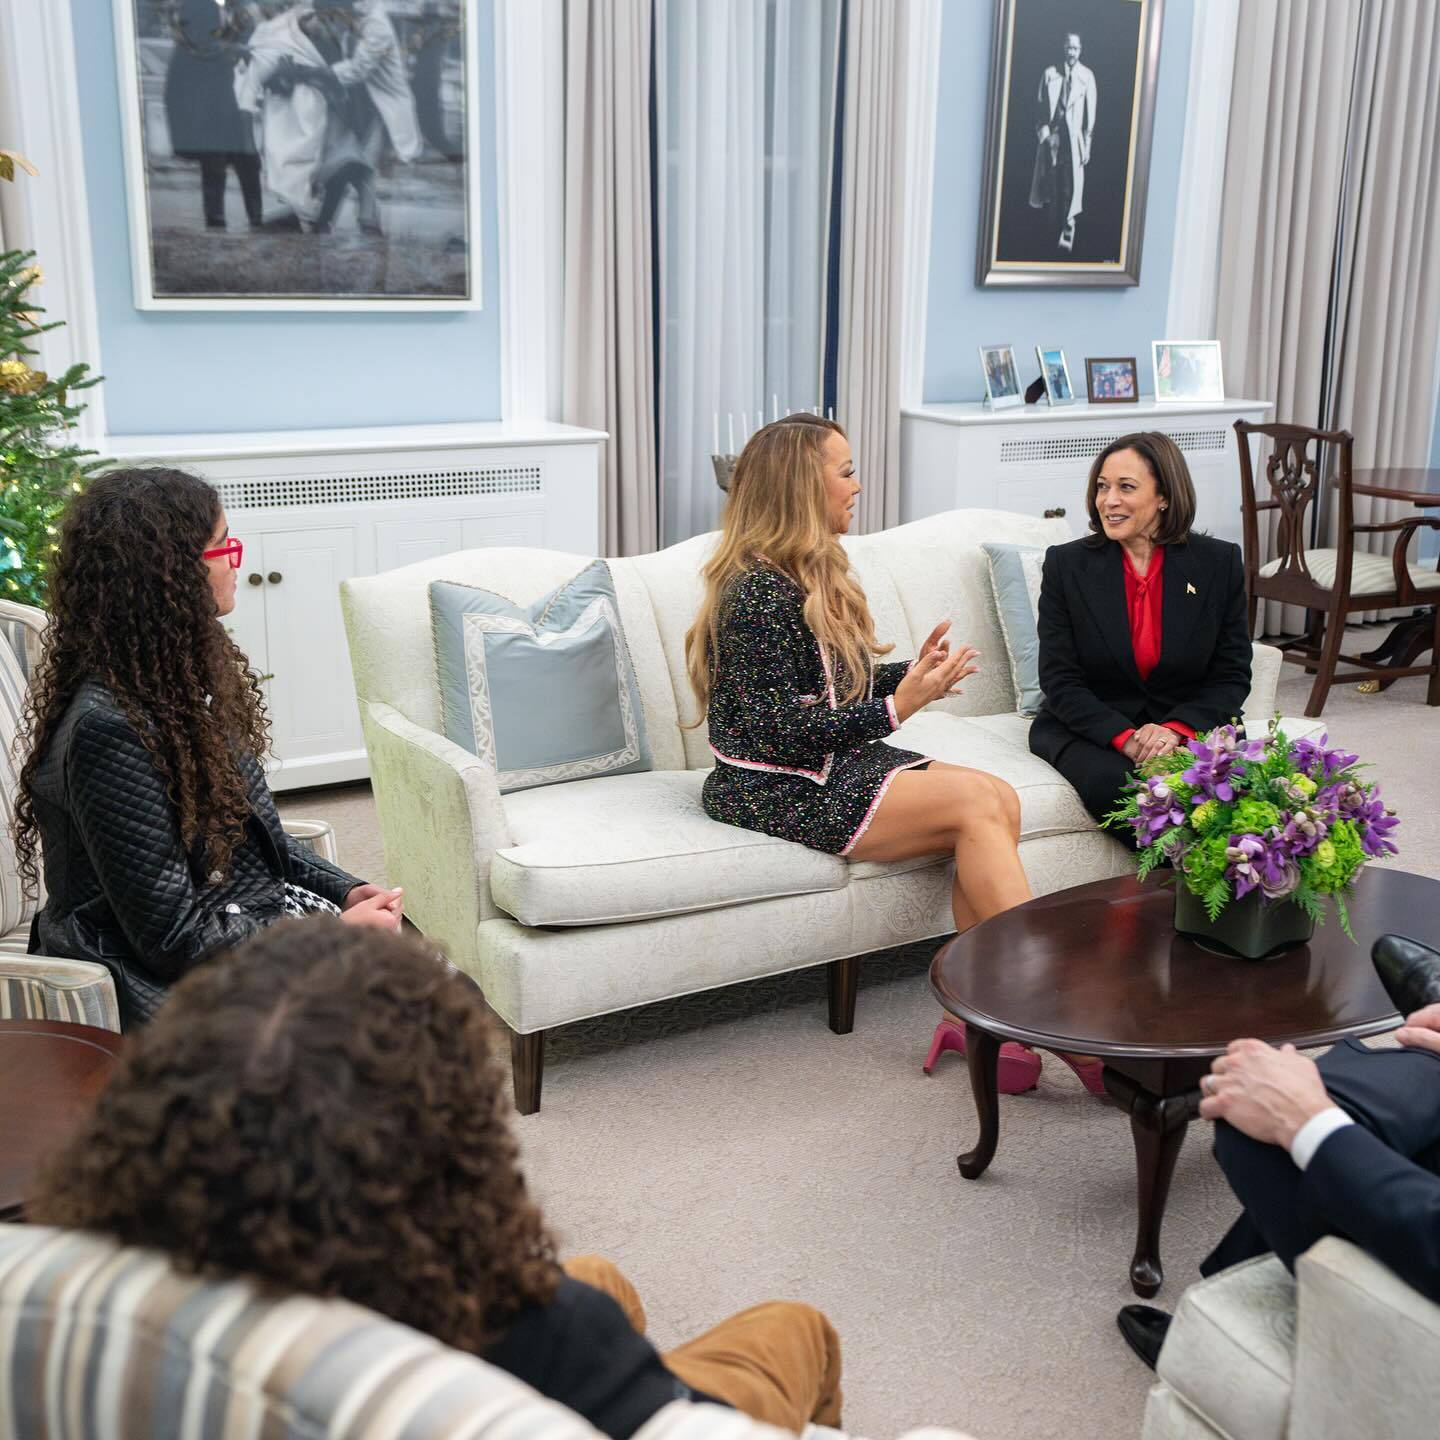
(200, 371)
(1086, 322)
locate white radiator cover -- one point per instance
(314, 507)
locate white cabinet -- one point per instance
(315, 507)
(1036, 459)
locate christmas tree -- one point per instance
(39, 470)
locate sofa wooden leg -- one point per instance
(527, 1066)
(844, 976)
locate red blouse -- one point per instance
(1145, 604)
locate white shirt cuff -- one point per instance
(1314, 1132)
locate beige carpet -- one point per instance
(728, 1148)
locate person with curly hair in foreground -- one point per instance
(323, 1110)
(145, 733)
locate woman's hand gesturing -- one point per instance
(935, 674)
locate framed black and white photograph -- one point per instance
(1112, 380)
(301, 154)
(1056, 374)
(1002, 377)
(1187, 370)
(1067, 152)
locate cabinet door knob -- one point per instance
(1058, 513)
(274, 577)
(254, 577)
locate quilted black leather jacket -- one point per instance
(122, 888)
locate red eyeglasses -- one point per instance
(232, 547)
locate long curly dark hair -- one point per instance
(321, 1109)
(131, 607)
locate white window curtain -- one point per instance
(745, 127)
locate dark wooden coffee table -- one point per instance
(50, 1074)
(1099, 970)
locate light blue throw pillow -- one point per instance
(1015, 580)
(543, 694)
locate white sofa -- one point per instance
(102, 1342)
(578, 899)
(1342, 1348)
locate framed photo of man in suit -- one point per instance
(1067, 154)
(316, 156)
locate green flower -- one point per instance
(1204, 814)
(1336, 859)
(1255, 817)
(1303, 783)
(1205, 862)
(1325, 855)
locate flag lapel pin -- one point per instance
(1190, 589)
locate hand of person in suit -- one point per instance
(1421, 1031)
(1150, 741)
(1267, 1094)
(934, 675)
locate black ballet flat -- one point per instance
(1409, 971)
(1144, 1328)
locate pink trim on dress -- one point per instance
(818, 776)
(864, 825)
(892, 713)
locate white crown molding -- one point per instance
(1195, 261)
(922, 90)
(49, 213)
(530, 114)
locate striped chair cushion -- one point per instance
(36, 987)
(23, 628)
(1369, 574)
(316, 835)
(98, 1340)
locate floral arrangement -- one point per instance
(1291, 819)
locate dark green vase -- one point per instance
(1249, 927)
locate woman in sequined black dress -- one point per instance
(782, 656)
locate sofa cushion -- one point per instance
(1015, 584)
(634, 846)
(545, 693)
(1230, 1353)
(999, 744)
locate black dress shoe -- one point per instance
(1144, 1328)
(1409, 971)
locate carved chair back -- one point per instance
(1292, 476)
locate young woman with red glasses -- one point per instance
(146, 730)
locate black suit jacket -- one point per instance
(1087, 663)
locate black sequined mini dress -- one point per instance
(789, 760)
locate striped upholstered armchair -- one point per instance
(38, 987)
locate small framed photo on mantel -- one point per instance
(1056, 375)
(1187, 370)
(1112, 380)
(1002, 378)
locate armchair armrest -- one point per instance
(442, 819)
(1367, 1351)
(1265, 666)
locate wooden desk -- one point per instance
(50, 1074)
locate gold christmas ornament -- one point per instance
(18, 378)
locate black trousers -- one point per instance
(212, 185)
(1393, 1093)
(1097, 772)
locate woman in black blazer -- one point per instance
(1142, 626)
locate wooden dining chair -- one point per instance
(1329, 582)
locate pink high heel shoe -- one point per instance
(1018, 1069)
(1089, 1073)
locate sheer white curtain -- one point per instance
(745, 102)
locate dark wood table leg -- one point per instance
(982, 1054)
(1157, 1127)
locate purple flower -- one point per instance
(1374, 825)
(1159, 811)
(1304, 830)
(1216, 758)
(1266, 863)
(1313, 758)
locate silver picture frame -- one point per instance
(1056, 374)
(1024, 211)
(1187, 371)
(1002, 377)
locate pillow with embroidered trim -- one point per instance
(544, 693)
(1015, 572)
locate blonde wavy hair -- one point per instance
(777, 512)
